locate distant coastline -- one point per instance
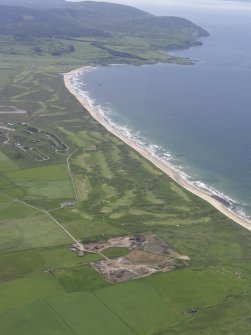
(217, 202)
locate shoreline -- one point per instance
(168, 170)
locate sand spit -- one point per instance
(171, 172)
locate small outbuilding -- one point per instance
(67, 204)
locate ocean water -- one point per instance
(195, 117)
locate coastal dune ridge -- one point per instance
(220, 203)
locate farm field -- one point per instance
(98, 189)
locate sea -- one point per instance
(197, 117)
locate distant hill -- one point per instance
(29, 22)
(33, 3)
(94, 19)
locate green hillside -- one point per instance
(93, 19)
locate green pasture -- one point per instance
(37, 317)
(187, 288)
(22, 227)
(21, 263)
(39, 174)
(82, 277)
(5, 200)
(20, 292)
(8, 188)
(59, 189)
(140, 305)
(159, 304)
(59, 257)
(230, 317)
(48, 182)
(6, 164)
(3, 157)
(80, 311)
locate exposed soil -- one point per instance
(148, 254)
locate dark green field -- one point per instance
(47, 289)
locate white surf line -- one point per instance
(70, 173)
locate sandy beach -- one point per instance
(168, 170)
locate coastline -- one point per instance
(168, 170)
